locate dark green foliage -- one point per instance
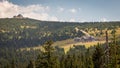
(50, 57)
(114, 51)
(13, 64)
(47, 60)
(20, 33)
(29, 32)
(31, 64)
(97, 57)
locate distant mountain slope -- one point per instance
(29, 32)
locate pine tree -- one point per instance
(97, 57)
(13, 65)
(68, 62)
(89, 63)
(47, 59)
(31, 64)
(113, 50)
(62, 62)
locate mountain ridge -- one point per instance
(30, 32)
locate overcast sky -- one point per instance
(63, 10)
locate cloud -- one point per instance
(104, 19)
(72, 20)
(79, 8)
(61, 9)
(7, 9)
(34, 8)
(73, 10)
(38, 11)
(82, 21)
(53, 18)
(41, 16)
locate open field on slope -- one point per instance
(67, 44)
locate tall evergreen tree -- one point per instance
(97, 57)
(114, 48)
(31, 64)
(13, 65)
(47, 59)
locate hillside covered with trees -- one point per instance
(29, 32)
(21, 33)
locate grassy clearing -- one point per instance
(67, 44)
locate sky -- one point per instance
(62, 10)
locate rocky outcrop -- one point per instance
(18, 16)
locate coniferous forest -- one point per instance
(16, 34)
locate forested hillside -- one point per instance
(16, 35)
(29, 32)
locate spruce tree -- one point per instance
(31, 64)
(97, 57)
(47, 59)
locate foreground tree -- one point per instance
(47, 59)
(31, 64)
(97, 57)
